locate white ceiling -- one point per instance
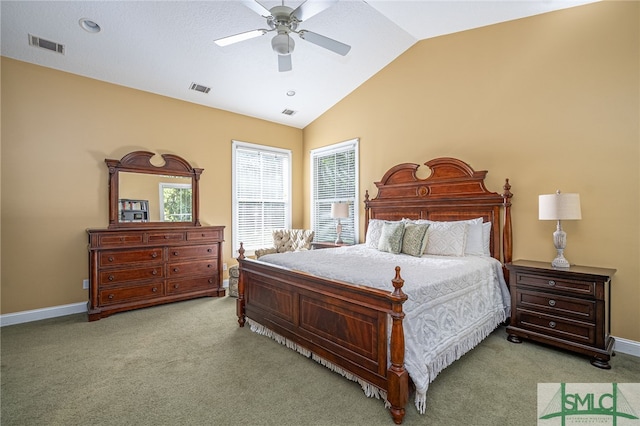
(163, 47)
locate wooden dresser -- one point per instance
(136, 268)
(567, 308)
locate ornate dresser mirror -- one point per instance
(143, 195)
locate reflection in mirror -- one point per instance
(154, 198)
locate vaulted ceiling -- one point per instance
(166, 47)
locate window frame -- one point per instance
(286, 153)
(354, 202)
(161, 187)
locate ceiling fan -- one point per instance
(284, 20)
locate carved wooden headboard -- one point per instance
(453, 191)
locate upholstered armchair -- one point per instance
(283, 240)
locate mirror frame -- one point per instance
(140, 162)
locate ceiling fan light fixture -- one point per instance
(282, 44)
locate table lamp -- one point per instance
(339, 211)
(559, 207)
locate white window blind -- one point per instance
(334, 178)
(262, 187)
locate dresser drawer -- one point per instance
(549, 282)
(114, 240)
(205, 234)
(186, 269)
(125, 257)
(194, 284)
(574, 331)
(193, 251)
(554, 304)
(131, 293)
(117, 276)
(162, 237)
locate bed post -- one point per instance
(507, 239)
(397, 376)
(366, 210)
(240, 302)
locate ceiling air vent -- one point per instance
(288, 112)
(199, 88)
(46, 44)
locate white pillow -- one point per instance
(447, 238)
(486, 238)
(475, 240)
(374, 230)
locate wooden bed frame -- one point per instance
(347, 324)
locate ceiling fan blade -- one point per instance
(284, 63)
(225, 41)
(309, 8)
(326, 42)
(257, 7)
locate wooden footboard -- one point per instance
(345, 324)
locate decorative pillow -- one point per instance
(391, 237)
(486, 238)
(374, 230)
(414, 240)
(447, 238)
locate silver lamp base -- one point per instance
(560, 242)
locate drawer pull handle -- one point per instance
(111, 296)
(552, 324)
(209, 266)
(210, 280)
(154, 255)
(175, 253)
(552, 283)
(175, 269)
(111, 277)
(110, 258)
(176, 285)
(203, 235)
(209, 250)
(166, 237)
(155, 289)
(552, 302)
(154, 272)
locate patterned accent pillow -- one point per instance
(414, 241)
(391, 237)
(446, 238)
(374, 230)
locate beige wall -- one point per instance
(57, 129)
(550, 102)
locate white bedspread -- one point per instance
(453, 302)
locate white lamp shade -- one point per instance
(339, 210)
(559, 206)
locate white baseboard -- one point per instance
(626, 346)
(44, 313)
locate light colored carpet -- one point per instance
(189, 363)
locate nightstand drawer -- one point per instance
(554, 304)
(574, 331)
(550, 282)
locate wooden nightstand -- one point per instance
(326, 244)
(567, 308)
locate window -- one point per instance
(261, 194)
(175, 202)
(334, 178)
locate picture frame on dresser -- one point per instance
(138, 264)
(569, 308)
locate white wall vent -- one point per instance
(199, 88)
(288, 112)
(46, 44)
